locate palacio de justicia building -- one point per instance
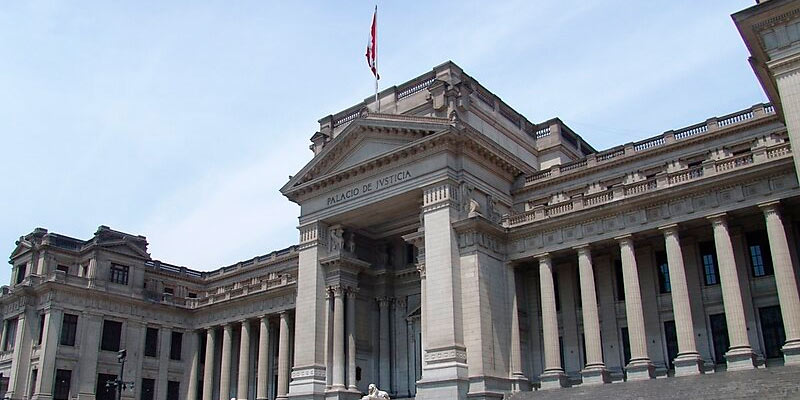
(449, 248)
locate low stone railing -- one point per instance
(630, 149)
(664, 180)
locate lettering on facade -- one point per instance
(372, 186)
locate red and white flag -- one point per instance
(372, 45)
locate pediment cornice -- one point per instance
(454, 135)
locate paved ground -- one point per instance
(765, 383)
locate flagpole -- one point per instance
(377, 99)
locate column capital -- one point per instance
(384, 301)
(770, 208)
(543, 257)
(421, 270)
(583, 249)
(399, 303)
(244, 321)
(337, 290)
(670, 229)
(228, 326)
(718, 219)
(351, 292)
(626, 239)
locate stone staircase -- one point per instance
(764, 383)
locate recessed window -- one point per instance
(192, 295)
(173, 390)
(708, 258)
(63, 268)
(11, 334)
(148, 389)
(664, 285)
(69, 327)
(169, 290)
(62, 384)
(21, 269)
(176, 346)
(151, 342)
(112, 333)
(760, 256)
(41, 330)
(119, 274)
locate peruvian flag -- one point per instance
(372, 45)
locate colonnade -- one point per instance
(739, 355)
(242, 378)
(341, 325)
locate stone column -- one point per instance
(194, 363)
(688, 361)
(283, 356)
(740, 355)
(90, 325)
(351, 338)
(518, 380)
(225, 366)
(328, 338)
(786, 282)
(244, 361)
(400, 365)
(445, 372)
(309, 354)
(91, 272)
(165, 334)
(553, 376)
(48, 348)
(262, 379)
(208, 365)
(640, 366)
(338, 338)
(595, 370)
(383, 319)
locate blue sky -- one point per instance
(180, 120)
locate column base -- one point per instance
(740, 358)
(342, 394)
(447, 380)
(791, 352)
(553, 379)
(640, 370)
(308, 383)
(688, 364)
(595, 375)
(519, 383)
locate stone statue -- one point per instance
(351, 243)
(375, 394)
(336, 240)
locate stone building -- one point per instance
(451, 248)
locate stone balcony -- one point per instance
(675, 173)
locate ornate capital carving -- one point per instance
(352, 292)
(337, 290)
(384, 301)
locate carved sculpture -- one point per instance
(375, 394)
(351, 243)
(336, 237)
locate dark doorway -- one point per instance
(772, 331)
(671, 336)
(719, 336)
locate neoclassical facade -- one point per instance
(449, 248)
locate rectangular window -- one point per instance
(169, 290)
(151, 342)
(119, 274)
(760, 256)
(62, 384)
(176, 345)
(148, 389)
(41, 330)
(192, 295)
(173, 390)
(34, 376)
(69, 327)
(63, 268)
(103, 390)
(620, 279)
(112, 333)
(11, 334)
(708, 257)
(664, 285)
(21, 269)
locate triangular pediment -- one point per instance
(22, 248)
(124, 247)
(363, 140)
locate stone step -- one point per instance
(781, 382)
